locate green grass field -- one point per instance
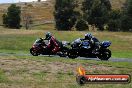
(53, 72)
(16, 41)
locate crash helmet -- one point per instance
(48, 35)
(88, 36)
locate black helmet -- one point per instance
(48, 35)
(88, 36)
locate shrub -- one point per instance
(12, 18)
(81, 25)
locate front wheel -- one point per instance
(72, 54)
(63, 52)
(34, 52)
(105, 54)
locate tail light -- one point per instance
(33, 46)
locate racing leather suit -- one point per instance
(53, 43)
(96, 45)
(94, 42)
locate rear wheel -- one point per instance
(34, 52)
(105, 54)
(62, 52)
(72, 54)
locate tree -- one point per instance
(27, 18)
(96, 12)
(5, 20)
(114, 25)
(114, 20)
(126, 19)
(126, 23)
(81, 25)
(65, 16)
(129, 8)
(12, 18)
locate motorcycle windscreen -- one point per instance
(106, 43)
(46, 42)
(37, 41)
(85, 44)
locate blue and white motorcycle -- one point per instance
(81, 48)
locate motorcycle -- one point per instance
(39, 48)
(83, 49)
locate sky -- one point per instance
(14, 1)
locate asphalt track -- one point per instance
(83, 58)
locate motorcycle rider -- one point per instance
(94, 42)
(53, 43)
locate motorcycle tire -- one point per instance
(64, 52)
(105, 54)
(33, 52)
(72, 54)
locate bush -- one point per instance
(114, 20)
(126, 18)
(81, 25)
(64, 14)
(126, 23)
(12, 18)
(5, 20)
(115, 14)
(96, 12)
(114, 25)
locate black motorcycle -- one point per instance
(83, 49)
(40, 48)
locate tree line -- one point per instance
(97, 13)
(71, 14)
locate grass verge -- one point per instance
(53, 72)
